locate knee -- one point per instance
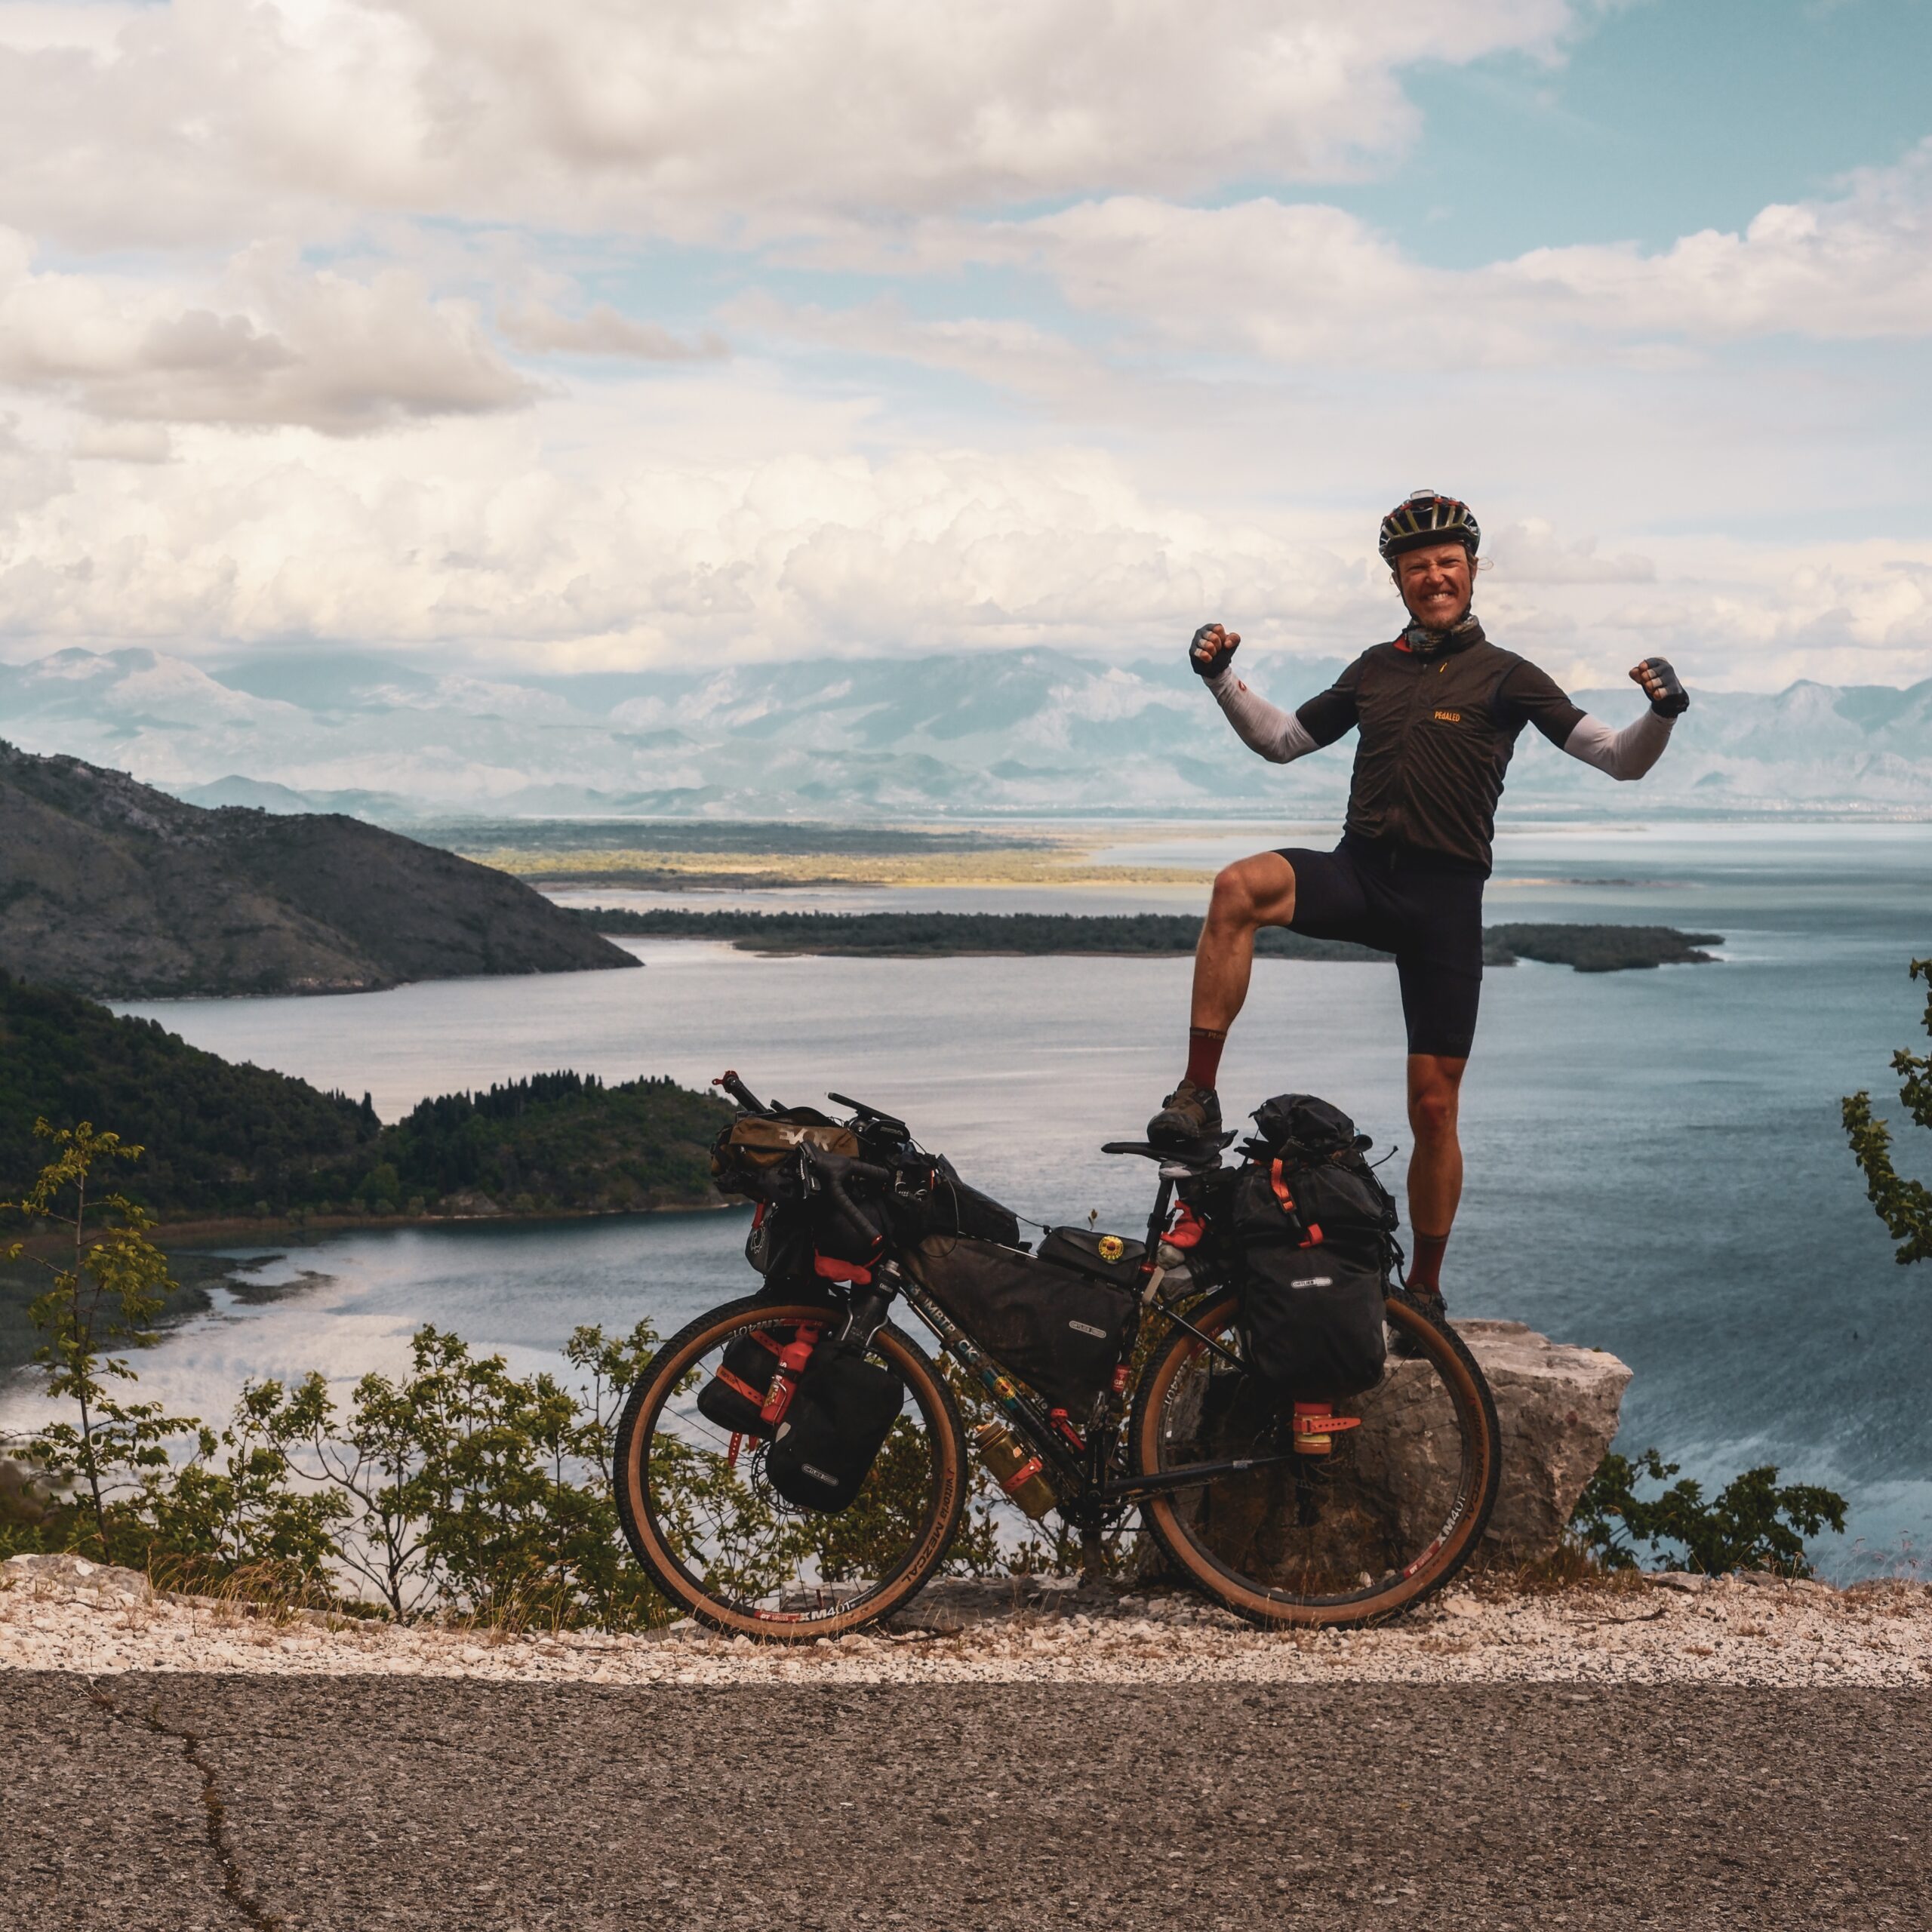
(1231, 902)
(1432, 1112)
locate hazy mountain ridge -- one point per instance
(1021, 732)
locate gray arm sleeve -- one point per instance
(1629, 753)
(1276, 734)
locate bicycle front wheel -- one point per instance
(720, 1541)
(1391, 1512)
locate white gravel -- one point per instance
(56, 1614)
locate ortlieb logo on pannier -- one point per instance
(1313, 1226)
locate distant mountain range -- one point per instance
(1025, 734)
(109, 888)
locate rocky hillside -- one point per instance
(111, 888)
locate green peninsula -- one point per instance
(1150, 935)
(226, 1142)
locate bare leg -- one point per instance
(1259, 891)
(1435, 1168)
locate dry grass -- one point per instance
(1071, 865)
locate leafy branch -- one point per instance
(1751, 1523)
(1905, 1206)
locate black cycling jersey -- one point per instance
(1437, 735)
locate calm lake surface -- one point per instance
(1655, 1162)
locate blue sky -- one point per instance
(596, 336)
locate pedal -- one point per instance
(1315, 1425)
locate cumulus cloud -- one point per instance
(273, 342)
(540, 329)
(1291, 283)
(150, 123)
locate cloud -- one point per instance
(194, 120)
(274, 343)
(540, 329)
(124, 442)
(1290, 283)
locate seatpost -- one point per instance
(1157, 1222)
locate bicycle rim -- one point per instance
(1391, 1513)
(701, 1518)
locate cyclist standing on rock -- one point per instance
(1438, 711)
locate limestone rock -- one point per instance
(1559, 1406)
(75, 1579)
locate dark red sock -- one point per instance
(1203, 1055)
(1426, 1270)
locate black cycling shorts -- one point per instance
(1429, 914)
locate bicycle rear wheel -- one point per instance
(1390, 1514)
(720, 1542)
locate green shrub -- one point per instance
(1750, 1525)
(1904, 1206)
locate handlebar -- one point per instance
(834, 1169)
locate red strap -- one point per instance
(833, 1269)
(739, 1386)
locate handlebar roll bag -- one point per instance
(754, 1155)
(1061, 1333)
(835, 1426)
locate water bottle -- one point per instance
(1016, 1468)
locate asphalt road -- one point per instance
(168, 1804)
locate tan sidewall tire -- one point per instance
(1458, 1369)
(929, 1394)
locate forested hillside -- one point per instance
(225, 1140)
(937, 935)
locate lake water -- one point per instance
(1655, 1162)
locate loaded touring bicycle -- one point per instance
(1247, 1385)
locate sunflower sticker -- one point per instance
(1112, 1248)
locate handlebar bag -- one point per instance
(1061, 1333)
(835, 1426)
(753, 1155)
(1109, 1257)
(1314, 1256)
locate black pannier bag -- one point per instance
(1314, 1227)
(1111, 1257)
(779, 1244)
(734, 1396)
(1061, 1333)
(834, 1427)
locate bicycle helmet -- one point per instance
(1424, 518)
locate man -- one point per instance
(1439, 711)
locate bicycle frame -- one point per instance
(1095, 1474)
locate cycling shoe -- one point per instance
(1426, 1302)
(1188, 1115)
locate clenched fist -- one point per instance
(1213, 650)
(1668, 699)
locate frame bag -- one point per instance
(834, 1427)
(1061, 1333)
